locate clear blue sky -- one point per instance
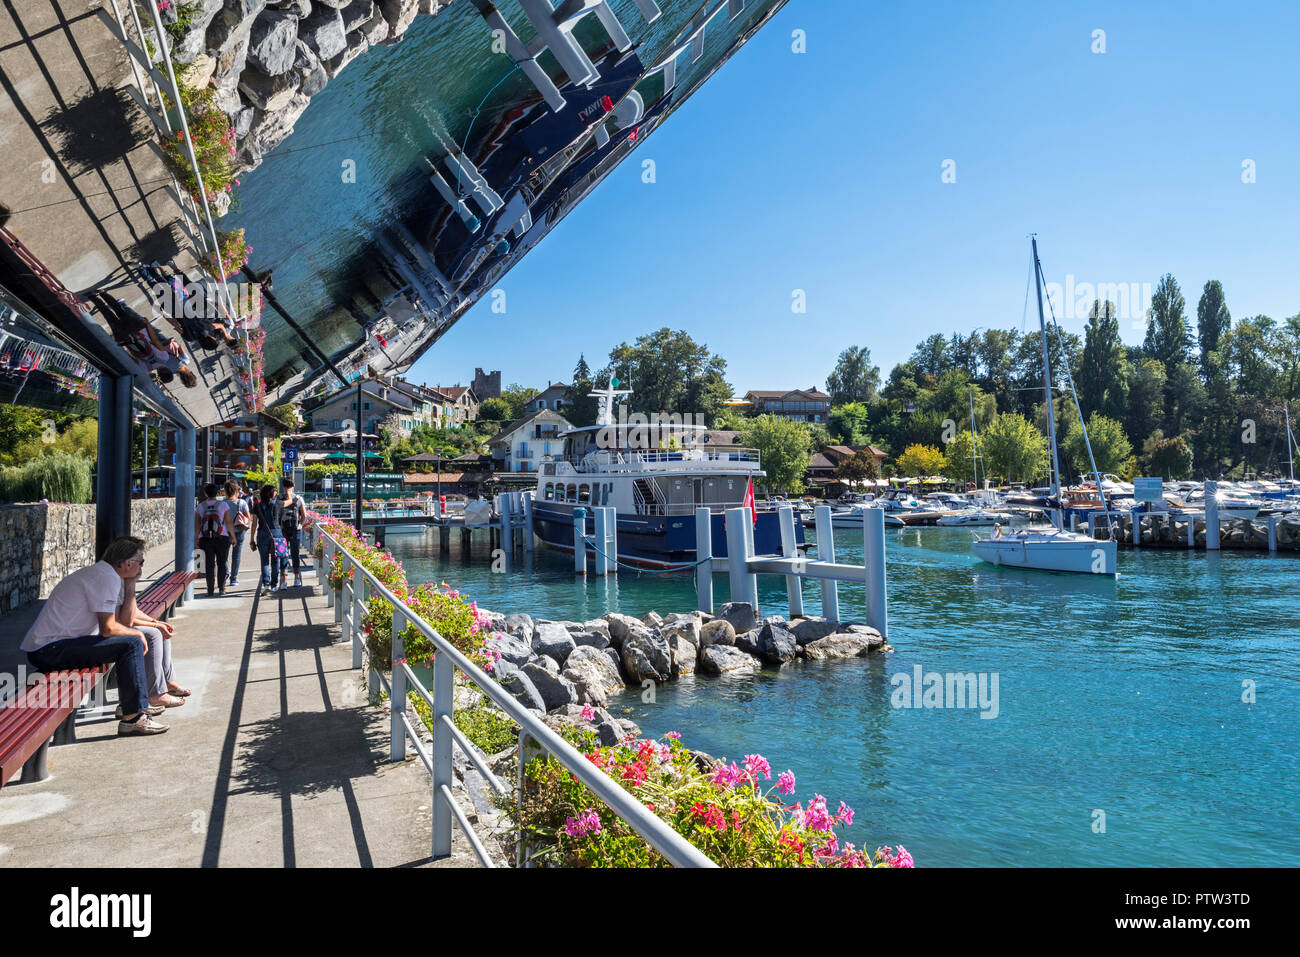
(822, 172)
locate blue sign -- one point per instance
(288, 469)
(290, 454)
(1148, 489)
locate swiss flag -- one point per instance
(749, 500)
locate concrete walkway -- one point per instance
(276, 760)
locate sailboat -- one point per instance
(1052, 549)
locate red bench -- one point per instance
(46, 711)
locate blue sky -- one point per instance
(822, 171)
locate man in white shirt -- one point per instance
(80, 627)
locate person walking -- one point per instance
(267, 537)
(240, 517)
(214, 530)
(293, 517)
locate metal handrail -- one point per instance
(447, 660)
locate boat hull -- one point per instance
(1082, 557)
(658, 541)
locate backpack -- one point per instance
(211, 520)
(241, 513)
(289, 515)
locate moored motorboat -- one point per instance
(1048, 549)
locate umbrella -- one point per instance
(423, 457)
(350, 456)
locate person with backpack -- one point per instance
(240, 518)
(267, 538)
(293, 517)
(214, 531)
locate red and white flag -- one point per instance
(749, 500)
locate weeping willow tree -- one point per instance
(53, 477)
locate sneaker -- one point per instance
(234, 582)
(297, 581)
(141, 725)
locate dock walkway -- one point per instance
(276, 760)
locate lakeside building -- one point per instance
(521, 445)
(460, 404)
(798, 405)
(229, 449)
(822, 465)
(400, 404)
(552, 397)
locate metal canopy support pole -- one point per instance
(873, 558)
(704, 555)
(826, 553)
(361, 459)
(1211, 516)
(793, 583)
(113, 485)
(186, 438)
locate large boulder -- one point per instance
(552, 639)
(681, 653)
(615, 656)
(399, 13)
(619, 626)
(518, 684)
(776, 644)
(268, 93)
(686, 627)
(592, 633)
(595, 677)
(271, 42)
(510, 648)
(811, 629)
(313, 72)
(230, 26)
(856, 629)
(608, 729)
(357, 12)
(841, 645)
(195, 39)
(556, 690)
(724, 659)
(546, 662)
(652, 619)
(741, 614)
(323, 32)
(520, 626)
(747, 641)
(646, 655)
(717, 632)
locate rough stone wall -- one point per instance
(266, 59)
(41, 544)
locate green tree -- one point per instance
(857, 468)
(579, 406)
(516, 397)
(1169, 458)
(1146, 401)
(1110, 446)
(494, 410)
(1167, 338)
(847, 423)
(961, 464)
(672, 373)
(1212, 323)
(783, 450)
(933, 356)
(921, 461)
(1013, 449)
(854, 379)
(1102, 379)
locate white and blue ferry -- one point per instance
(654, 485)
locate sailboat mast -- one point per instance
(1290, 445)
(974, 451)
(1047, 377)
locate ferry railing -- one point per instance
(350, 602)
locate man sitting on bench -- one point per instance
(79, 628)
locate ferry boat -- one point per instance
(654, 490)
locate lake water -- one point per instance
(1121, 698)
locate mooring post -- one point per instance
(1211, 516)
(1135, 519)
(579, 544)
(826, 553)
(601, 538)
(704, 556)
(1191, 532)
(611, 543)
(1272, 532)
(740, 549)
(789, 549)
(873, 559)
(1092, 524)
(526, 500)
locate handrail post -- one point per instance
(443, 690)
(397, 730)
(327, 562)
(358, 603)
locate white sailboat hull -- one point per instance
(1058, 552)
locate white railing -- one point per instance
(350, 602)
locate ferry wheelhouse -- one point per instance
(654, 486)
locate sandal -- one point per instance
(179, 692)
(169, 701)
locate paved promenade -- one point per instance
(276, 760)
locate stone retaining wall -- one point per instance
(40, 544)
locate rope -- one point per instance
(619, 561)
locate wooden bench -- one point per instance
(46, 712)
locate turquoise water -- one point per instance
(1123, 697)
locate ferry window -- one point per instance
(584, 494)
(550, 491)
(572, 494)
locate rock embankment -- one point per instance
(556, 667)
(266, 59)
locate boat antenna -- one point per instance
(605, 415)
(1054, 465)
(1065, 363)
